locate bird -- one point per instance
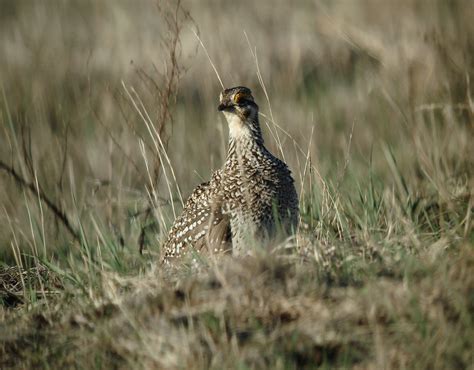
(251, 199)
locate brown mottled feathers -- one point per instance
(251, 198)
(201, 225)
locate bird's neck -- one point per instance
(245, 136)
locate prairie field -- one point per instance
(108, 120)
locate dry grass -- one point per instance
(108, 119)
(259, 313)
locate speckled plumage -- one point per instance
(252, 197)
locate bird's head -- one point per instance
(240, 110)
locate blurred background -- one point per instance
(352, 87)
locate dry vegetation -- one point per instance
(108, 118)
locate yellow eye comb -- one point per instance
(238, 97)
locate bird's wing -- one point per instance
(201, 224)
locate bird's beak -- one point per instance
(224, 104)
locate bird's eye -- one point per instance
(238, 98)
